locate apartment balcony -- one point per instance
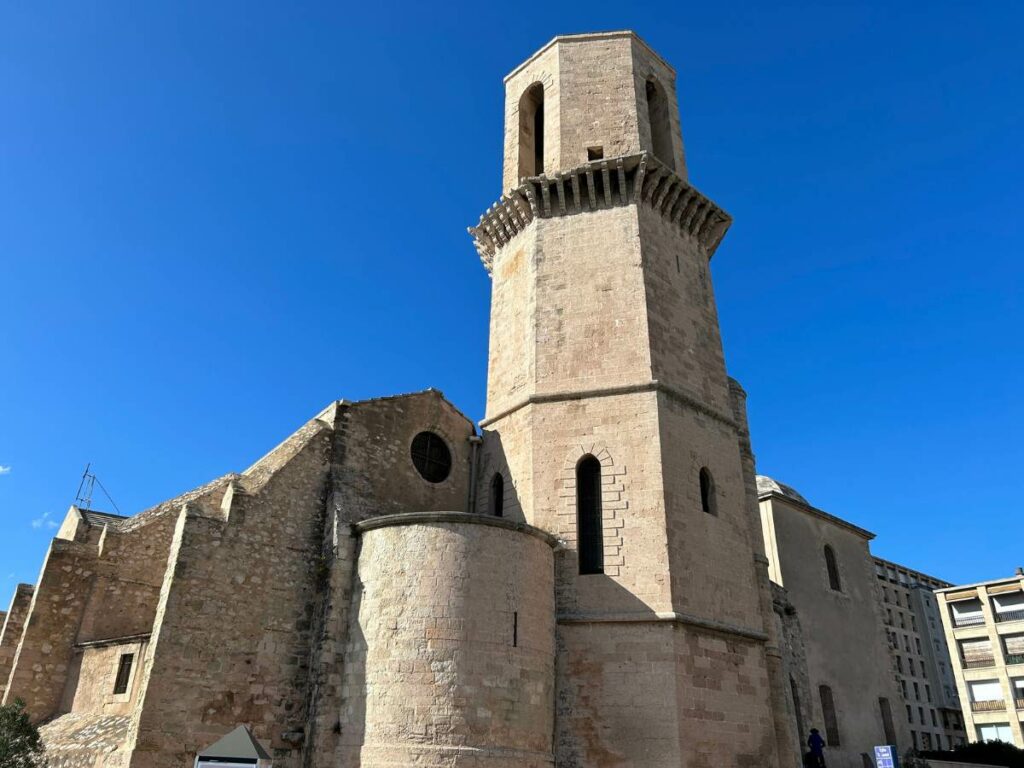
(1009, 616)
(1015, 658)
(988, 706)
(979, 663)
(968, 621)
(1019, 703)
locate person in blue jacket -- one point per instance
(817, 745)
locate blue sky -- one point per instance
(215, 218)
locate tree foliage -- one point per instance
(20, 745)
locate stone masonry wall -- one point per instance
(45, 654)
(371, 474)
(231, 638)
(11, 630)
(451, 653)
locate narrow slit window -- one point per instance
(515, 629)
(833, 570)
(828, 712)
(498, 495)
(707, 492)
(589, 530)
(124, 672)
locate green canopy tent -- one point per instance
(238, 749)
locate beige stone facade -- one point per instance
(848, 690)
(583, 584)
(984, 628)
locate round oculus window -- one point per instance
(431, 457)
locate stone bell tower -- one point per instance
(612, 424)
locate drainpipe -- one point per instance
(474, 442)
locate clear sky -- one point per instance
(215, 218)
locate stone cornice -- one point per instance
(626, 389)
(654, 617)
(597, 185)
(460, 518)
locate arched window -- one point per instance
(661, 125)
(833, 569)
(498, 495)
(707, 492)
(589, 531)
(828, 712)
(531, 132)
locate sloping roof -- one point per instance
(240, 743)
(95, 517)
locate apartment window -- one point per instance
(1014, 645)
(903, 621)
(899, 664)
(995, 732)
(913, 623)
(920, 714)
(913, 735)
(832, 567)
(124, 672)
(885, 599)
(917, 644)
(926, 741)
(903, 685)
(912, 670)
(928, 693)
(917, 692)
(935, 720)
(910, 715)
(828, 711)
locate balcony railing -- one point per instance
(1020, 703)
(976, 663)
(968, 621)
(987, 706)
(1009, 615)
(1015, 658)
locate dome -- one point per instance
(766, 485)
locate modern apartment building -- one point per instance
(924, 668)
(984, 627)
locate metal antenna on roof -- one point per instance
(83, 499)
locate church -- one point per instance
(578, 581)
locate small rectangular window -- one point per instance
(595, 153)
(124, 673)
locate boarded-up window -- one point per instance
(828, 712)
(589, 529)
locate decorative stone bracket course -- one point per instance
(597, 185)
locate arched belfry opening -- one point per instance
(531, 132)
(661, 125)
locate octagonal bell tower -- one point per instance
(611, 422)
